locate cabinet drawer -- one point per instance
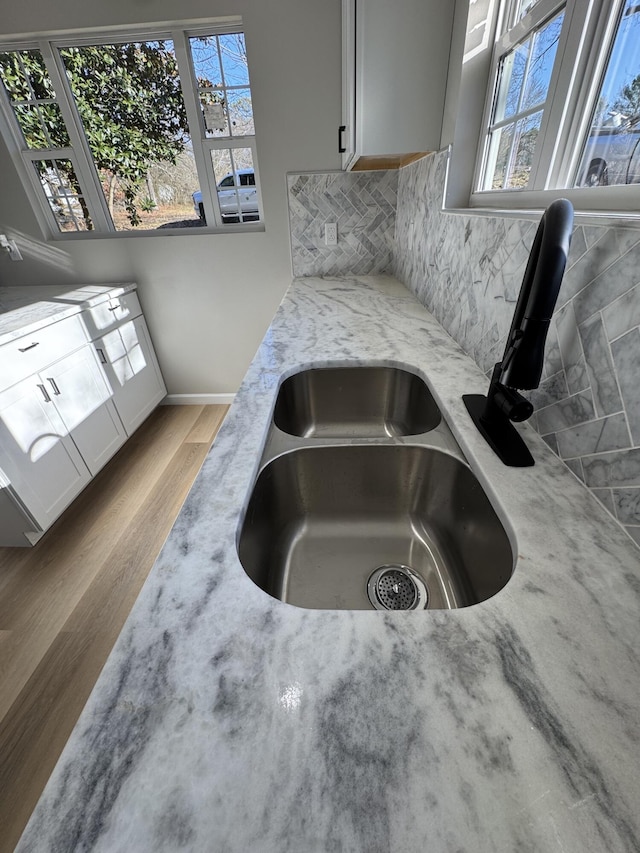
(110, 313)
(27, 355)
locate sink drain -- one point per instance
(397, 587)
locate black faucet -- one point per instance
(523, 358)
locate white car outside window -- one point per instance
(237, 196)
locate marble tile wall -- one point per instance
(467, 270)
(363, 204)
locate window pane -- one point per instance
(241, 112)
(545, 45)
(28, 85)
(25, 76)
(130, 103)
(525, 71)
(526, 136)
(234, 60)
(214, 111)
(42, 126)
(60, 184)
(511, 82)
(511, 153)
(523, 8)
(220, 66)
(499, 153)
(238, 198)
(206, 61)
(611, 154)
(523, 85)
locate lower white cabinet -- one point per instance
(131, 366)
(77, 388)
(42, 465)
(64, 421)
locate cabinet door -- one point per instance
(347, 131)
(43, 465)
(395, 66)
(130, 363)
(82, 397)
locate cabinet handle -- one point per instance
(114, 308)
(341, 147)
(46, 396)
(31, 346)
(56, 390)
(103, 358)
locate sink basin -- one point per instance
(343, 402)
(392, 527)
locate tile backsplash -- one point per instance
(467, 270)
(363, 204)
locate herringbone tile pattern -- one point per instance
(363, 204)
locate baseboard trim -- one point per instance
(198, 400)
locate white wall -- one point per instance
(208, 299)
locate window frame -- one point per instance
(583, 51)
(80, 154)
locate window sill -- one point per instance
(522, 204)
(197, 230)
(610, 219)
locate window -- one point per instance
(135, 132)
(563, 113)
(611, 152)
(523, 85)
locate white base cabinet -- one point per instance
(42, 465)
(61, 423)
(81, 395)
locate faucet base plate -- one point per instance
(499, 433)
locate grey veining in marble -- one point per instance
(225, 720)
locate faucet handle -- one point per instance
(510, 403)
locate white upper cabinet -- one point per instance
(395, 65)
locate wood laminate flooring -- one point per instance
(64, 602)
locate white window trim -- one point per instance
(591, 24)
(80, 153)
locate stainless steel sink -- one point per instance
(343, 402)
(395, 527)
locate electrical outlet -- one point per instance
(10, 248)
(331, 234)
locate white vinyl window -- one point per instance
(134, 132)
(522, 88)
(563, 109)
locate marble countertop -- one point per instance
(225, 720)
(24, 310)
